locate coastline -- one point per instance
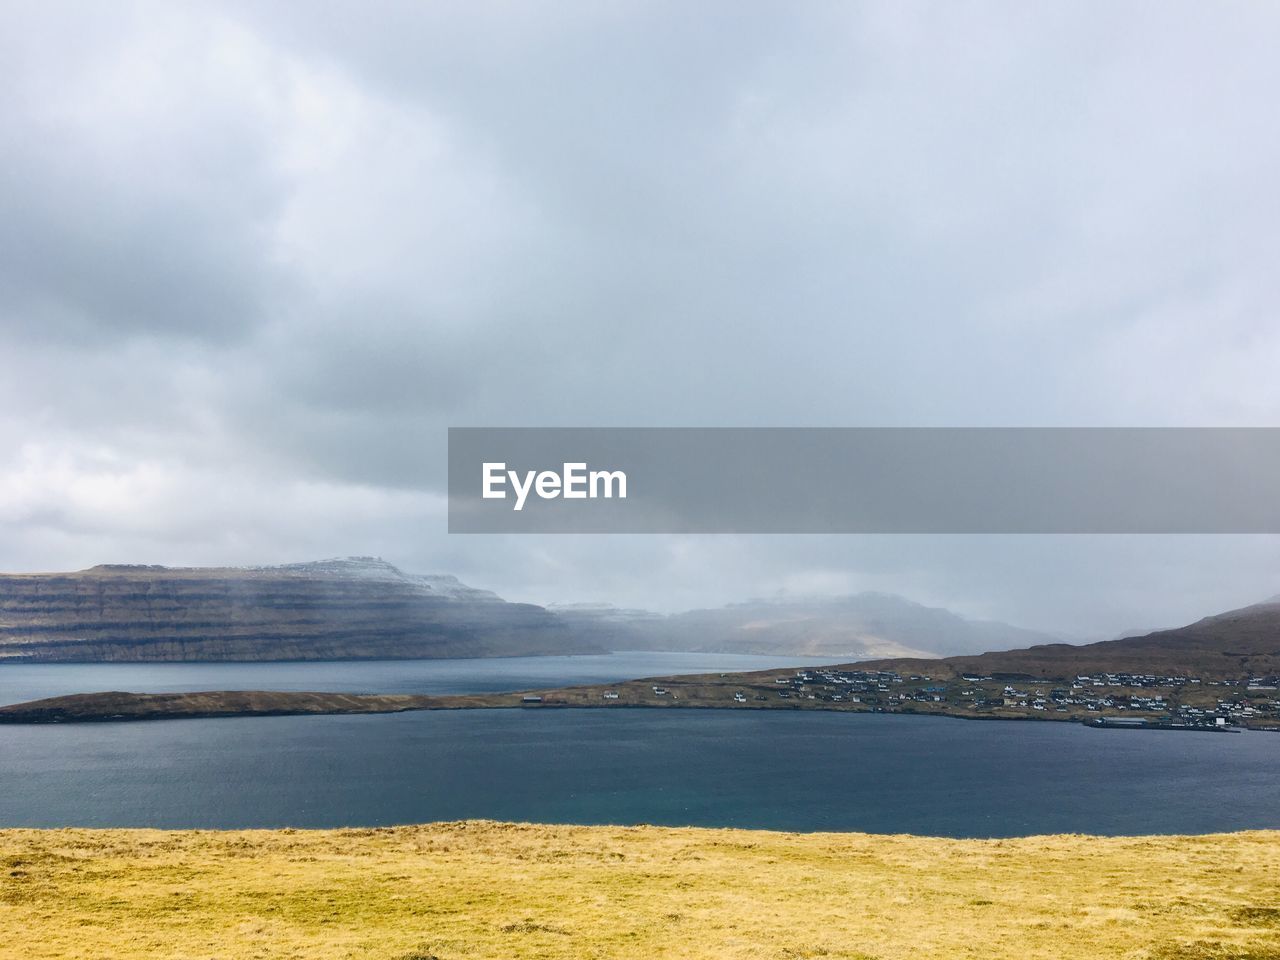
(123, 707)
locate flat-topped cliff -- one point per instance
(355, 608)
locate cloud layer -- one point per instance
(253, 262)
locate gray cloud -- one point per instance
(254, 262)
(138, 191)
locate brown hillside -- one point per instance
(1239, 643)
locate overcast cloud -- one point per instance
(255, 259)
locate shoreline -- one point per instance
(486, 823)
(125, 707)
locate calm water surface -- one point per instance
(28, 681)
(794, 771)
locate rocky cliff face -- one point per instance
(358, 608)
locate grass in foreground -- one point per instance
(481, 890)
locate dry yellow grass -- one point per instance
(480, 890)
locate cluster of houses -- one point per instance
(871, 687)
(1159, 697)
(1132, 680)
(1157, 700)
(1244, 710)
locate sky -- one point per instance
(256, 258)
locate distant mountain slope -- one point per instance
(861, 625)
(335, 609)
(1236, 644)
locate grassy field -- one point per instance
(488, 890)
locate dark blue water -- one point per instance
(28, 681)
(793, 771)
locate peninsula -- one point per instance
(1180, 703)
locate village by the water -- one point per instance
(1116, 700)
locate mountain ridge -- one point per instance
(367, 608)
(860, 625)
(1232, 644)
(343, 608)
